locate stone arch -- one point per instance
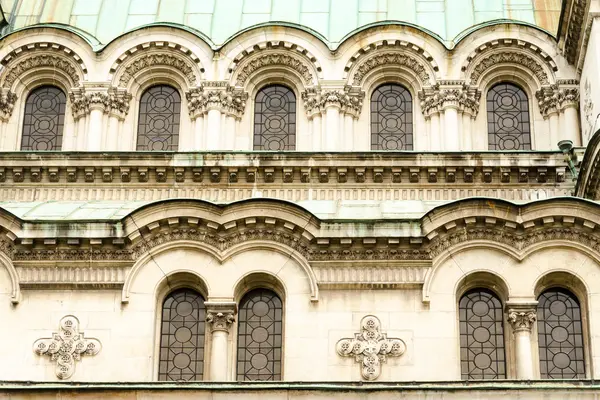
(269, 60)
(497, 55)
(258, 279)
(275, 45)
(157, 55)
(15, 294)
(483, 278)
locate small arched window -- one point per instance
(481, 336)
(391, 118)
(508, 118)
(259, 336)
(44, 119)
(560, 335)
(275, 119)
(182, 337)
(158, 123)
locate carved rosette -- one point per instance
(220, 320)
(67, 346)
(521, 320)
(370, 347)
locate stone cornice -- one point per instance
(227, 169)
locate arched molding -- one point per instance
(388, 60)
(258, 280)
(562, 278)
(483, 278)
(179, 279)
(270, 60)
(152, 252)
(278, 46)
(385, 47)
(488, 60)
(20, 68)
(284, 250)
(148, 57)
(15, 293)
(49, 47)
(501, 45)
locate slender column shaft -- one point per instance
(571, 126)
(451, 131)
(112, 139)
(316, 121)
(436, 138)
(81, 133)
(467, 140)
(218, 359)
(95, 130)
(554, 132)
(348, 132)
(229, 133)
(199, 141)
(522, 322)
(332, 133)
(214, 129)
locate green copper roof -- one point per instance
(222, 19)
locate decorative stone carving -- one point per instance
(148, 61)
(118, 102)
(7, 103)
(349, 100)
(553, 98)
(511, 57)
(391, 58)
(574, 29)
(275, 59)
(67, 346)
(14, 72)
(229, 101)
(370, 347)
(220, 321)
(521, 320)
(464, 98)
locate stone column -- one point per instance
(348, 139)
(312, 104)
(521, 320)
(467, 140)
(98, 105)
(449, 102)
(219, 316)
(118, 107)
(435, 135)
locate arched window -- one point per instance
(158, 123)
(44, 119)
(560, 335)
(481, 336)
(391, 118)
(259, 336)
(182, 337)
(508, 118)
(275, 119)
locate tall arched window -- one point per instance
(158, 123)
(44, 119)
(275, 119)
(481, 336)
(508, 118)
(259, 336)
(182, 337)
(391, 118)
(560, 335)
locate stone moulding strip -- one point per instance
(41, 46)
(96, 277)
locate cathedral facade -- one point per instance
(300, 199)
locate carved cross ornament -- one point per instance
(66, 346)
(370, 347)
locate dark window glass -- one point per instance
(560, 335)
(44, 119)
(259, 337)
(481, 336)
(158, 125)
(182, 337)
(391, 118)
(275, 119)
(508, 118)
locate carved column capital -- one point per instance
(220, 315)
(312, 100)
(118, 102)
(522, 320)
(557, 97)
(84, 100)
(7, 103)
(228, 100)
